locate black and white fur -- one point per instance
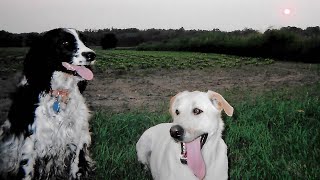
(35, 141)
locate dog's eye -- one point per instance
(177, 112)
(197, 111)
(65, 43)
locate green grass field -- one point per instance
(132, 60)
(271, 136)
(275, 136)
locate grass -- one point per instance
(132, 60)
(115, 136)
(275, 136)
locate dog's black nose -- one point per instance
(90, 56)
(177, 132)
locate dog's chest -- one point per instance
(56, 131)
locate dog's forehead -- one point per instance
(73, 32)
(79, 37)
(60, 32)
(194, 98)
(69, 35)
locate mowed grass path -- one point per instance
(275, 136)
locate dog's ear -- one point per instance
(221, 102)
(171, 103)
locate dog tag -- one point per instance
(56, 106)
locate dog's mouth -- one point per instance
(82, 71)
(202, 138)
(192, 156)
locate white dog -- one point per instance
(191, 147)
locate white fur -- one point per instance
(70, 126)
(9, 151)
(54, 134)
(23, 81)
(78, 59)
(161, 153)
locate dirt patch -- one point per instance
(151, 89)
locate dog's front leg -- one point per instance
(82, 166)
(27, 161)
(86, 164)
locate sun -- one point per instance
(287, 11)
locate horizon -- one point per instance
(229, 15)
(112, 28)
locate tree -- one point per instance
(109, 41)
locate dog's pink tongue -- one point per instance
(84, 72)
(195, 159)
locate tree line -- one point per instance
(286, 43)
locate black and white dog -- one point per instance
(46, 135)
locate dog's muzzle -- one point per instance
(89, 56)
(177, 133)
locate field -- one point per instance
(133, 60)
(274, 134)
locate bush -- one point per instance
(109, 41)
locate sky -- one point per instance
(19, 16)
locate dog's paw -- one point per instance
(86, 173)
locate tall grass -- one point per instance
(275, 136)
(115, 136)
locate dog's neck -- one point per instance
(64, 81)
(61, 94)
